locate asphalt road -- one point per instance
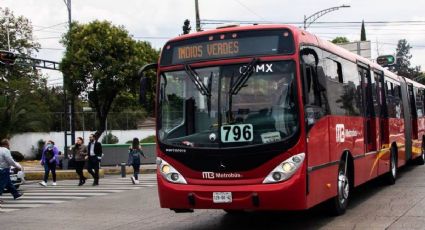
(374, 206)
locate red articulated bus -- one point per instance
(270, 117)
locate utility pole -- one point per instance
(69, 100)
(198, 20)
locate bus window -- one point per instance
(419, 104)
(315, 89)
(376, 94)
(352, 98)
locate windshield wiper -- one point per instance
(243, 77)
(197, 81)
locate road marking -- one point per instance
(37, 195)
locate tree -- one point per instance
(186, 26)
(102, 60)
(340, 40)
(363, 33)
(21, 109)
(403, 56)
(421, 78)
(21, 43)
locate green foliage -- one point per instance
(403, 65)
(21, 107)
(149, 139)
(186, 26)
(38, 150)
(17, 156)
(340, 40)
(21, 43)
(110, 139)
(102, 60)
(363, 33)
(421, 78)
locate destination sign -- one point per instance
(245, 43)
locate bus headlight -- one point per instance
(285, 170)
(169, 172)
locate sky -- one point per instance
(156, 21)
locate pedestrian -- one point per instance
(79, 153)
(49, 159)
(95, 155)
(6, 161)
(135, 152)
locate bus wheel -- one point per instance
(421, 160)
(392, 174)
(340, 202)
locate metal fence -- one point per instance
(117, 154)
(88, 120)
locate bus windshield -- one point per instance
(223, 106)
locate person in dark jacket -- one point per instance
(95, 155)
(79, 153)
(49, 159)
(135, 152)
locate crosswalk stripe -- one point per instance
(29, 197)
(8, 210)
(65, 191)
(35, 202)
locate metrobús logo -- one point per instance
(342, 133)
(215, 175)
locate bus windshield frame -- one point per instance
(194, 112)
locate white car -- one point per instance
(17, 177)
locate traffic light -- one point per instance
(7, 58)
(386, 60)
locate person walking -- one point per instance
(79, 153)
(6, 161)
(49, 159)
(135, 152)
(95, 155)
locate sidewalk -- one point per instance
(35, 171)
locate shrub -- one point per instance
(110, 139)
(37, 151)
(149, 139)
(17, 156)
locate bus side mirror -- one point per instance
(145, 82)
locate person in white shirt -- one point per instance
(6, 161)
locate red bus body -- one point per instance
(363, 141)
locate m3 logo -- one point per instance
(208, 175)
(340, 133)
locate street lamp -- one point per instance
(312, 18)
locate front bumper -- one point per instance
(287, 195)
(17, 179)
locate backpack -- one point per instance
(135, 154)
(49, 154)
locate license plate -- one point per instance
(222, 197)
(13, 177)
